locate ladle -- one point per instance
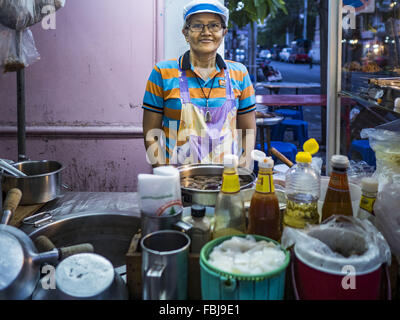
(10, 169)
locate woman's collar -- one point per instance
(184, 62)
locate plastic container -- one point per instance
(313, 280)
(302, 189)
(220, 285)
(369, 190)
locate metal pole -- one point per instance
(21, 104)
(305, 19)
(334, 80)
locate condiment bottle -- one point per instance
(337, 200)
(369, 191)
(264, 213)
(302, 190)
(201, 228)
(230, 216)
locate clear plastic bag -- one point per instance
(387, 214)
(385, 141)
(21, 14)
(338, 242)
(10, 59)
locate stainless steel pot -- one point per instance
(42, 184)
(19, 259)
(209, 197)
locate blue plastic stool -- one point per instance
(299, 127)
(365, 150)
(289, 150)
(291, 113)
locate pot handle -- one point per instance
(10, 204)
(153, 282)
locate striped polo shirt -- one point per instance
(162, 93)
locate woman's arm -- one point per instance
(247, 124)
(152, 130)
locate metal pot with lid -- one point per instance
(208, 197)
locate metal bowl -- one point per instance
(209, 197)
(42, 184)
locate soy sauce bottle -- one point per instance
(337, 200)
(264, 213)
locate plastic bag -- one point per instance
(387, 214)
(21, 14)
(339, 241)
(10, 60)
(385, 141)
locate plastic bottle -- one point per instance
(201, 230)
(264, 213)
(369, 192)
(337, 199)
(230, 216)
(302, 193)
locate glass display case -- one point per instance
(370, 80)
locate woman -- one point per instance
(195, 103)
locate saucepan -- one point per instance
(19, 259)
(208, 197)
(41, 184)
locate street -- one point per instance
(301, 73)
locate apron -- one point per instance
(201, 142)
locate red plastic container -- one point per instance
(312, 281)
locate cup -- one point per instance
(165, 265)
(152, 223)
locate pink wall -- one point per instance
(92, 75)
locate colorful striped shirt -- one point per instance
(162, 93)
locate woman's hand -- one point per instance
(152, 123)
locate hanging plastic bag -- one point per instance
(21, 14)
(10, 59)
(387, 214)
(385, 141)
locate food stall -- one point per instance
(112, 221)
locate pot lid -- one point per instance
(84, 275)
(11, 259)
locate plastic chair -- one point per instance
(291, 113)
(299, 127)
(289, 150)
(362, 148)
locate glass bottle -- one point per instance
(337, 200)
(201, 228)
(264, 213)
(369, 192)
(230, 216)
(302, 193)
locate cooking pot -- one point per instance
(209, 197)
(84, 276)
(19, 258)
(42, 184)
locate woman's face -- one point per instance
(204, 42)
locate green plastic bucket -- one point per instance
(220, 285)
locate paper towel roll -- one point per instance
(172, 172)
(155, 198)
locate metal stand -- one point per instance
(21, 103)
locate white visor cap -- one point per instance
(211, 6)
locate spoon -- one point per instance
(10, 169)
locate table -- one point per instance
(265, 124)
(276, 86)
(283, 100)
